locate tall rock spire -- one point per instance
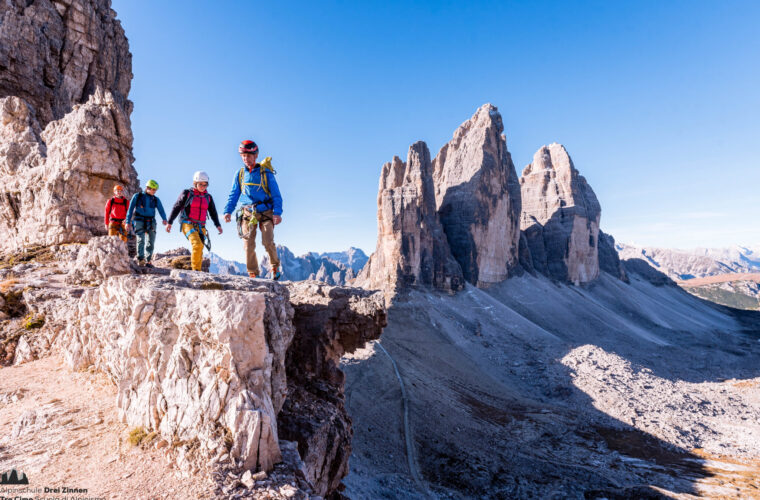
(560, 217)
(477, 195)
(411, 246)
(65, 133)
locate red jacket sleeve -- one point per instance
(108, 210)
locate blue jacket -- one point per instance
(148, 205)
(254, 194)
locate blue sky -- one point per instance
(657, 102)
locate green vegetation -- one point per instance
(731, 298)
(34, 253)
(137, 435)
(33, 322)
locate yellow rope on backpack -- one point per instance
(265, 166)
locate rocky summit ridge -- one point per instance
(234, 373)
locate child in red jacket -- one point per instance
(116, 212)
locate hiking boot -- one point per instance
(148, 264)
(276, 274)
(141, 263)
(253, 275)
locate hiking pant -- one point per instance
(116, 228)
(145, 229)
(266, 224)
(196, 245)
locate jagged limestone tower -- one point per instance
(477, 196)
(411, 245)
(65, 133)
(560, 217)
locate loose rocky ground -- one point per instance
(532, 389)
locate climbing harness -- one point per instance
(199, 228)
(149, 223)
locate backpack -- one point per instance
(141, 201)
(264, 167)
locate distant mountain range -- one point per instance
(334, 268)
(732, 285)
(682, 265)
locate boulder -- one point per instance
(560, 217)
(412, 249)
(100, 258)
(477, 196)
(195, 357)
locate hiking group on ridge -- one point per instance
(254, 185)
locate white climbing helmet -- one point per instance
(200, 176)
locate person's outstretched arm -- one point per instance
(178, 206)
(213, 214)
(234, 196)
(160, 208)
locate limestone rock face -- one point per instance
(191, 357)
(54, 54)
(477, 195)
(609, 260)
(65, 136)
(329, 321)
(411, 245)
(560, 217)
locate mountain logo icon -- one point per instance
(14, 477)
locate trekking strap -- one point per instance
(264, 167)
(141, 201)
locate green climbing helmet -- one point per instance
(151, 184)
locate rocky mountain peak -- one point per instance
(477, 196)
(560, 217)
(411, 245)
(55, 55)
(65, 133)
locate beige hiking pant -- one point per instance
(266, 225)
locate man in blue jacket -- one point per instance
(142, 208)
(261, 206)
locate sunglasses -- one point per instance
(202, 183)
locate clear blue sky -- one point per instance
(656, 101)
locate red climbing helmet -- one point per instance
(248, 147)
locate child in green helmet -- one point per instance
(143, 209)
